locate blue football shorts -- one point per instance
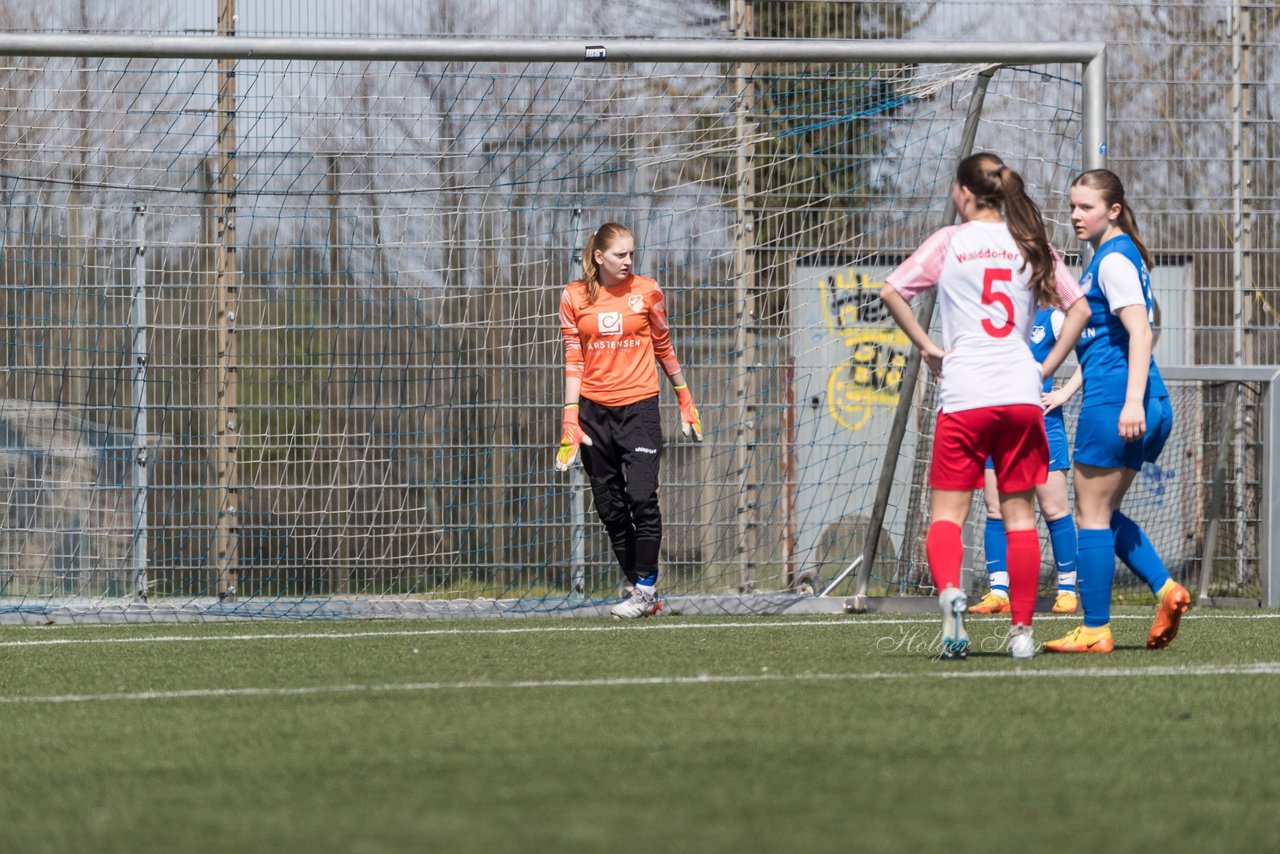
(1098, 441)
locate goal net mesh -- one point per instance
(364, 321)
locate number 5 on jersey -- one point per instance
(990, 296)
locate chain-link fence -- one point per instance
(1190, 110)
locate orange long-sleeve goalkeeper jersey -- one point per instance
(612, 343)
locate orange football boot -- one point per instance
(1066, 602)
(992, 603)
(1083, 639)
(1174, 602)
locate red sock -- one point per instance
(1023, 562)
(945, 547)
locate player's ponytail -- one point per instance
(1026, 224)
(995, 185)
(1109, 186)
(607, 235)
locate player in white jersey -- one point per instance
(991, 272)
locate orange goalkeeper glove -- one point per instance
(571, 436)
(690, 421)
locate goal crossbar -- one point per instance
(536, 50)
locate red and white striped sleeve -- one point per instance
(1068, 288)
(921, 271)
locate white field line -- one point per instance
(661, 624)
(1261, 668)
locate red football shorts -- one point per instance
(1012, 436)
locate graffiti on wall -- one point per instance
(870, 376)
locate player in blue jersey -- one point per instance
(1125, 417)
(1052, 496)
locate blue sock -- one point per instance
(648, 580)
(1137, 553)
(1062, 536)
(996, 547)
(1096, 559)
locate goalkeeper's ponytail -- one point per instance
(607, 235)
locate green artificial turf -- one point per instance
(674, 734)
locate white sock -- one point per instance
(999, 578)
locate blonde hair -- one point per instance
(605, 236)
(1108, 184)
(995, 185)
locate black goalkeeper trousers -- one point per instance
(622, 467)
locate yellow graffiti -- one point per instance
(872, 373)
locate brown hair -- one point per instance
(605, 236)
(1108, 184)
(995, 185)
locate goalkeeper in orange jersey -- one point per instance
(615, 332)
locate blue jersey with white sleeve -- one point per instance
(1044, 334)
(1103, 348)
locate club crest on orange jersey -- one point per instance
(636, 302)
